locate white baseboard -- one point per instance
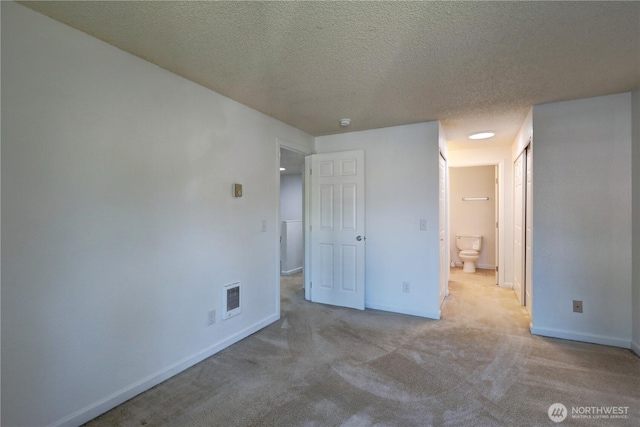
(401, 310)
(507, 285)
(482, 266)
(95, 409)
(635, 347)
(579, 336)
(486, 267)
(290, 272)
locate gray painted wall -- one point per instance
(582, 219)
(118, 223)
(401, 189)
(290, 197)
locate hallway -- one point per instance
(481, 276)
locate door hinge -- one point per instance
(496, 224)
(310, 284)
(310, 171)
(496, 268)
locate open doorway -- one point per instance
(291, 203)
(473, 225)
(291, 219)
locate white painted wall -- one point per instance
(292, 253)
(291, 197)
(401, 189)
(473, 217)
(582, 219)
(500, 156)
(524, 137)
(635, 118)
(118, 223)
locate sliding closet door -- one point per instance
(519, 227)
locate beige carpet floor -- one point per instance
(328, 366)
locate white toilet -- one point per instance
(469, 247)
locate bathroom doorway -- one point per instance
(473, 194)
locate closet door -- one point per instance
(519, 199)
(528, 264)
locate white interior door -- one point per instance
(337, 229)
(529, 233)
(442, 203)
(518, 227)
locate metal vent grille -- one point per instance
(231, 300)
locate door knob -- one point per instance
(359, 238)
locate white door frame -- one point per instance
(501, 212)
(519, 215)
(306, 221)
(291, 146)
(528, 234)
(445, 259)
(496, 215)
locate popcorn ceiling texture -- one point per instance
(473, 65)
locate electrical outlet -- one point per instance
(405, 287)
(264, 226)
(212, 317)
(577, 306)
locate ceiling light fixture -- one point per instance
(282, 169)
(345, 122)
(482, 135)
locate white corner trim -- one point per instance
(290, 272)
(485, 266)
(582, 337)
(95, 409)
(507, 285)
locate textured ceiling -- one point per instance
(473, 65)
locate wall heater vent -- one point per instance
(231, 300)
